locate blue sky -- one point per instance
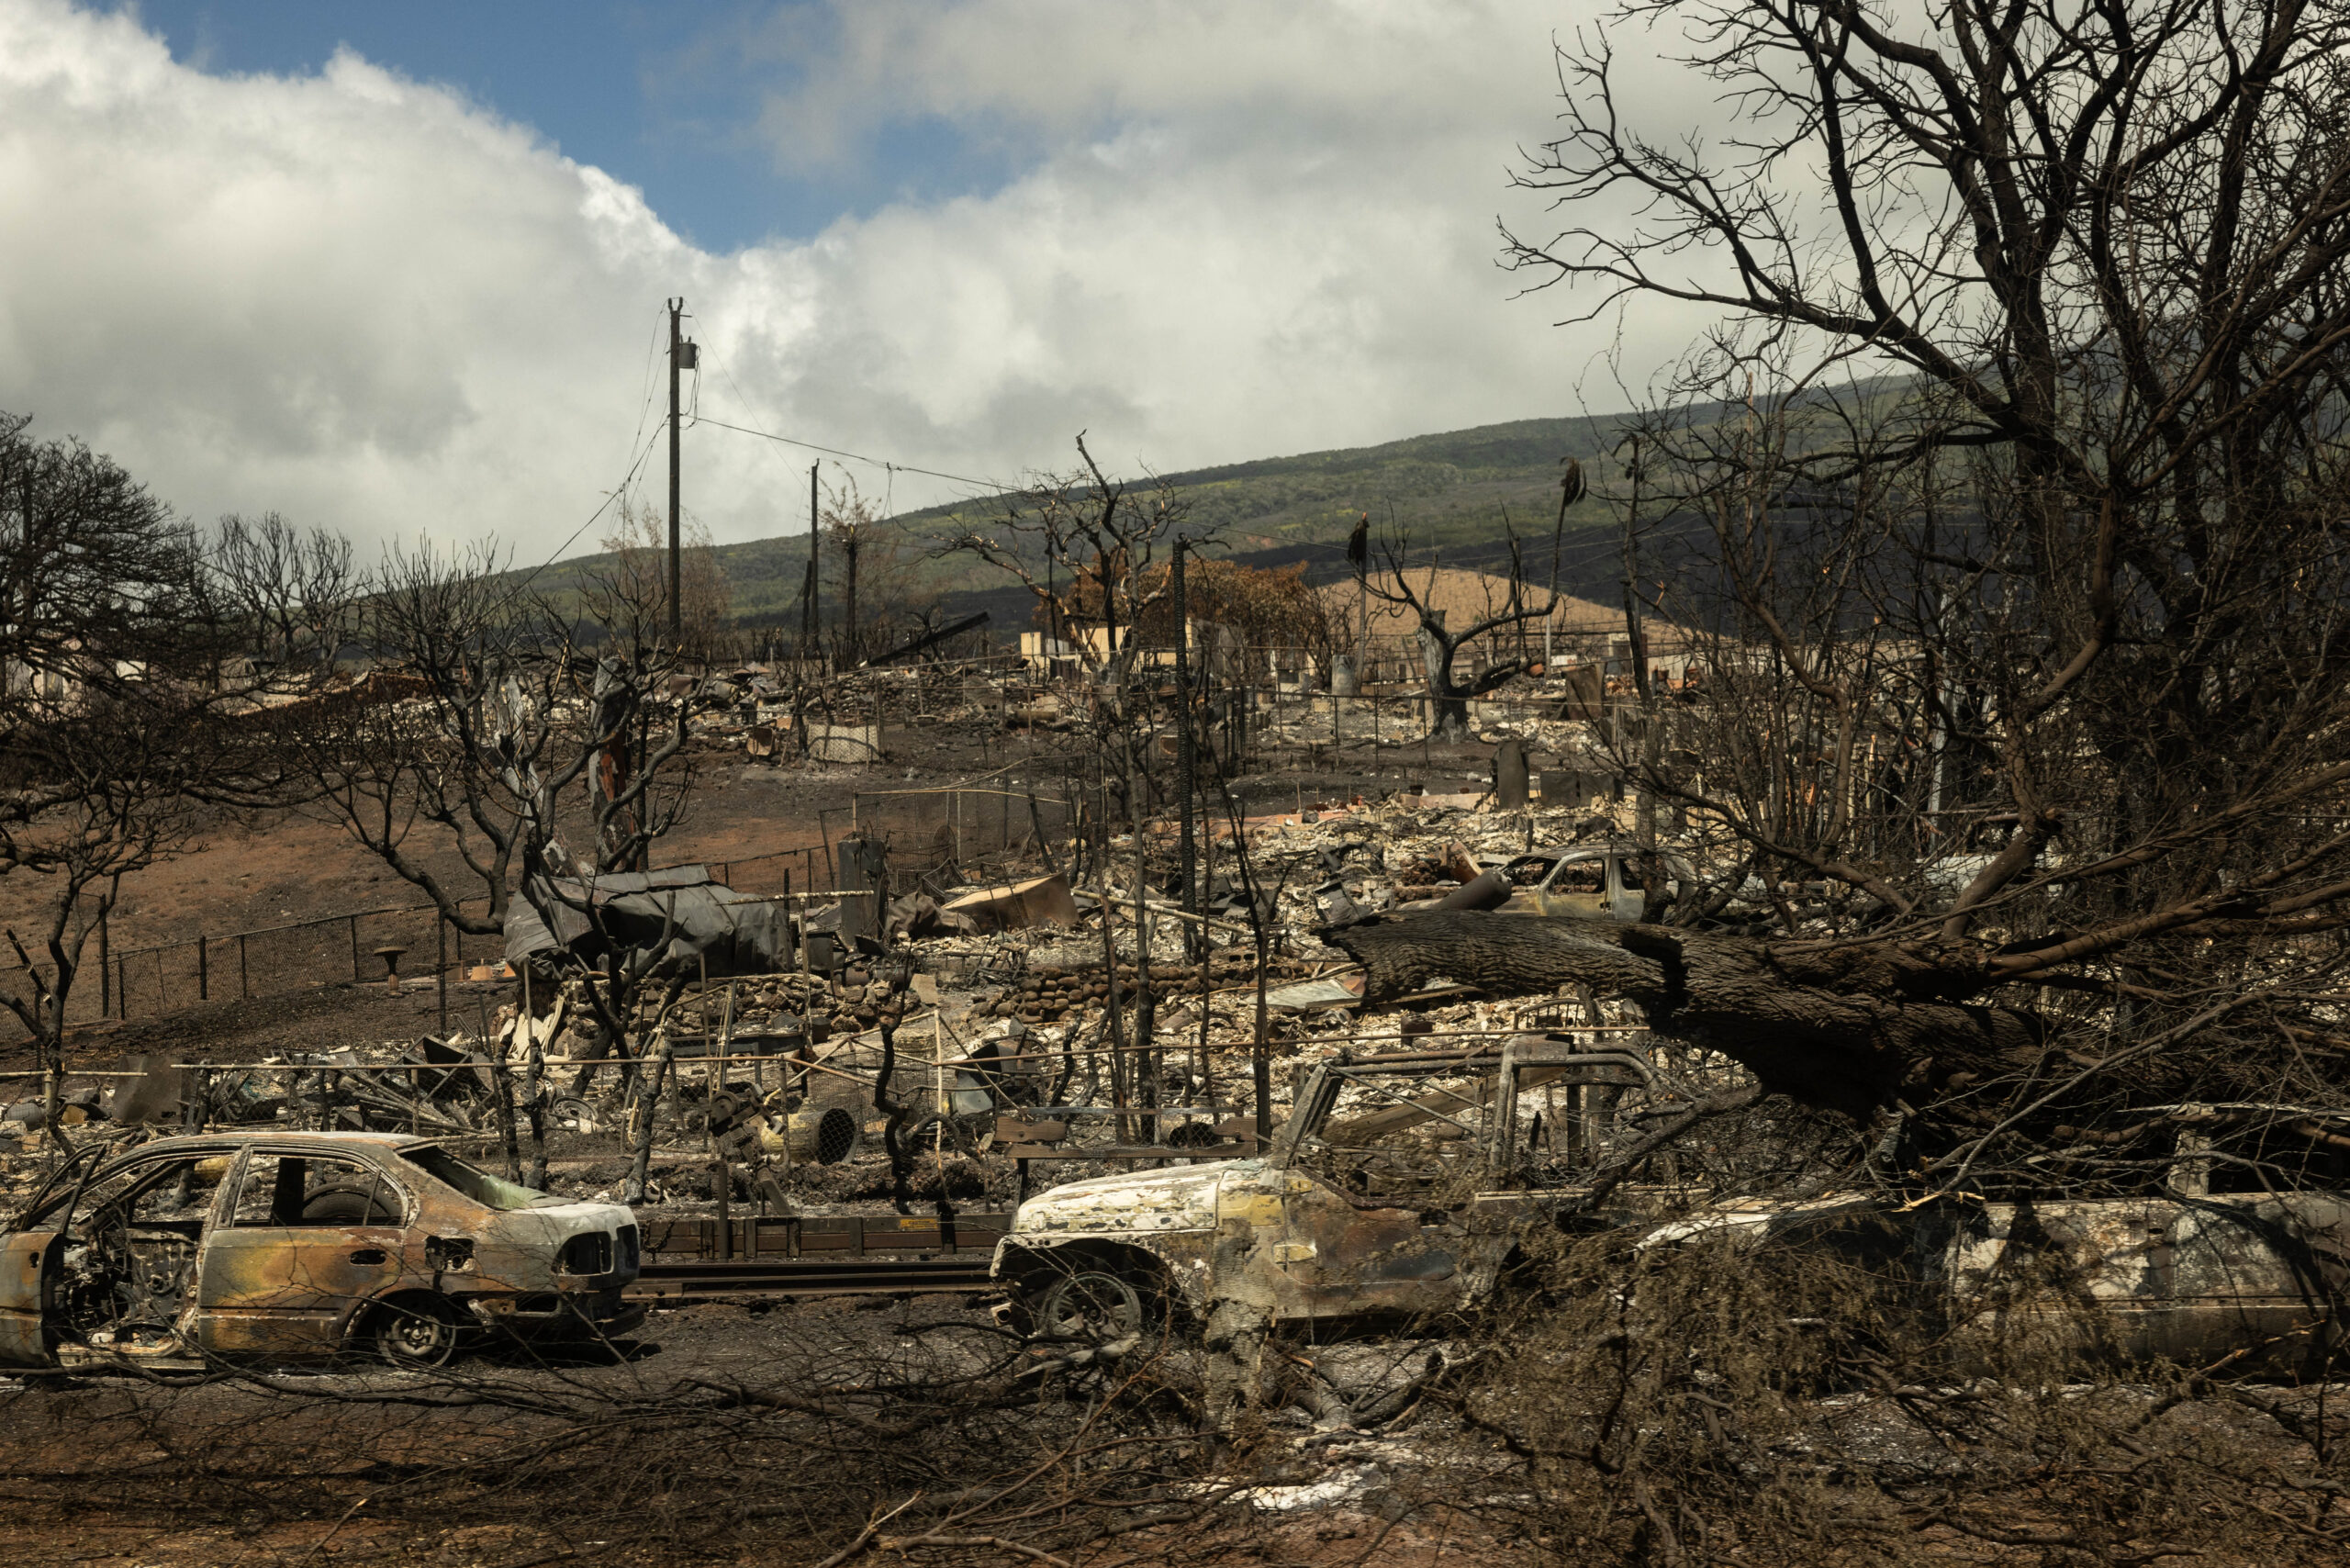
(398, 268)
(666, 97)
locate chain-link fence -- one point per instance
(358, 945)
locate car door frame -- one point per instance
(28, 1268)
(300, 1330)
(1330, 1248)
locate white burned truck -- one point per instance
(1386, 1193)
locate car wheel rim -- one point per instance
(1091, 1306)
(416, 1339)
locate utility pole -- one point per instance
(683, 356)
(1187, 762)
(812, 627)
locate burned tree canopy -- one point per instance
(2009, 748)
(1869, 1029)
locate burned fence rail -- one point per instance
(950, 826)
(358, 947)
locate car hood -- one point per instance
(1137, 1201)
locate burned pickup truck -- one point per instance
(1400, 1206)
(293, 1246)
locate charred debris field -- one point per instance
(1830, 1050)
(1508, 1229)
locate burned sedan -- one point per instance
(293, 1246)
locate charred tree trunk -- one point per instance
(1448, 704)
(1848, 1028)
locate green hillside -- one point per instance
(1445, 492)
(1442, 489)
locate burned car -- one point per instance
(1399, 1207)
(293, 1246)
(1594, 881)
(2235, 1257)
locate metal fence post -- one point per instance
(244, 987)
(441, 935)
(202, 969)
(355, 976)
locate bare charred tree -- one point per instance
(493, 715)
(1264, 609)
(109, 637)
(1440, 645)
(98, 581)
(1089, 551)
(627, 598)
(883, 594)
(852, 525)
(1092, 552)
(2022, 719)
(289, 590)
(107, 791)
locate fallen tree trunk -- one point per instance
(1850, 1028)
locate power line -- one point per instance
(652, 382)
(610, 497)
(652, 386)
(996, 485)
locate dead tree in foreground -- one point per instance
(461, 776)
(2014, 759)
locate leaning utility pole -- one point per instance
(683, 356)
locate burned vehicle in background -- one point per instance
(299, 1246)
(2233, 1256)
(1402, 1206)
(1593, 881)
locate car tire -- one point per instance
(413, 1334)
(1092, 1305)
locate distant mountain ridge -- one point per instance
(1446, 492)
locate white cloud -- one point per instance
(1242, 230)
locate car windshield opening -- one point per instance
(490, 1192)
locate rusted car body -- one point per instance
(2236, 1277)
(1380, 1213)
(290, 1246)
(2248, 1280)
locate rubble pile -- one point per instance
(999, 1022)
